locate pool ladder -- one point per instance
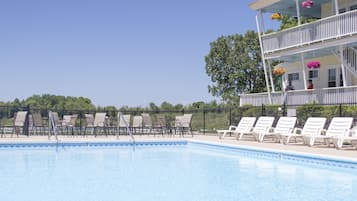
(130, 133)
(52, 124)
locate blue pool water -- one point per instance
(189, 172)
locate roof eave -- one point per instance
(261, 4)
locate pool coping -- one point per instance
(285, 155)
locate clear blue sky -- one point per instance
(115, 52)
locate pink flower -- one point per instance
(313, 64)
(307, 4)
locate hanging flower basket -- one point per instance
(279, 71)
(307, 4)
(275, 16)
(313, 64)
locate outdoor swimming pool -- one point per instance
(172, 171)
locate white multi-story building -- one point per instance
(330, 40)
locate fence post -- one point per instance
(80, 121)
(204, 121)
(27, 125)
(340, 110)
(230, 116)
(263, 110)
(284, 110)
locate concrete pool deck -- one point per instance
(346, 153)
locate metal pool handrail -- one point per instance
(51, 122)
(127, 127)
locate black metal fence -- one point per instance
(204, 121)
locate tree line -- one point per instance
(69, 103)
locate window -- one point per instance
(293, 76)
(332, 77)
(313, 74)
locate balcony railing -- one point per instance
(328, 28)
(337, 95)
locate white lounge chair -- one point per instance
(263, 125)
(285, 125)
(338, 131)
(313, 127)
(245, 125)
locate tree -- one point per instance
(153, 107)
(166, 106)
(235, 67)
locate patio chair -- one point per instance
(147, 123)
(89, 122)
(338, 131)
(245, 125)
(99, 123)
(124, 122)
(285, 125)
(183, 124)
(162, 126)
(137, 124)
(313, 127)
(58, 122)
(263, 125)
(69, 123)
(20, 123)
(35, 121)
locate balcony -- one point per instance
(329, 96)
(333, 27)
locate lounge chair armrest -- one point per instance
(291, 130)
(232, 128)
(269, 129)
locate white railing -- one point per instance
(328, 28)
(350, 59)
(337, 95)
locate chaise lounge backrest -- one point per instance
(285, 125)
(313, 126)
(339, 126)
(263, 124)
(245, 124)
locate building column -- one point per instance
(298, 11)
(262, 21)
(263, 59)
(342, 67)
(337, 8)
(303, 70)
(271, 77)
